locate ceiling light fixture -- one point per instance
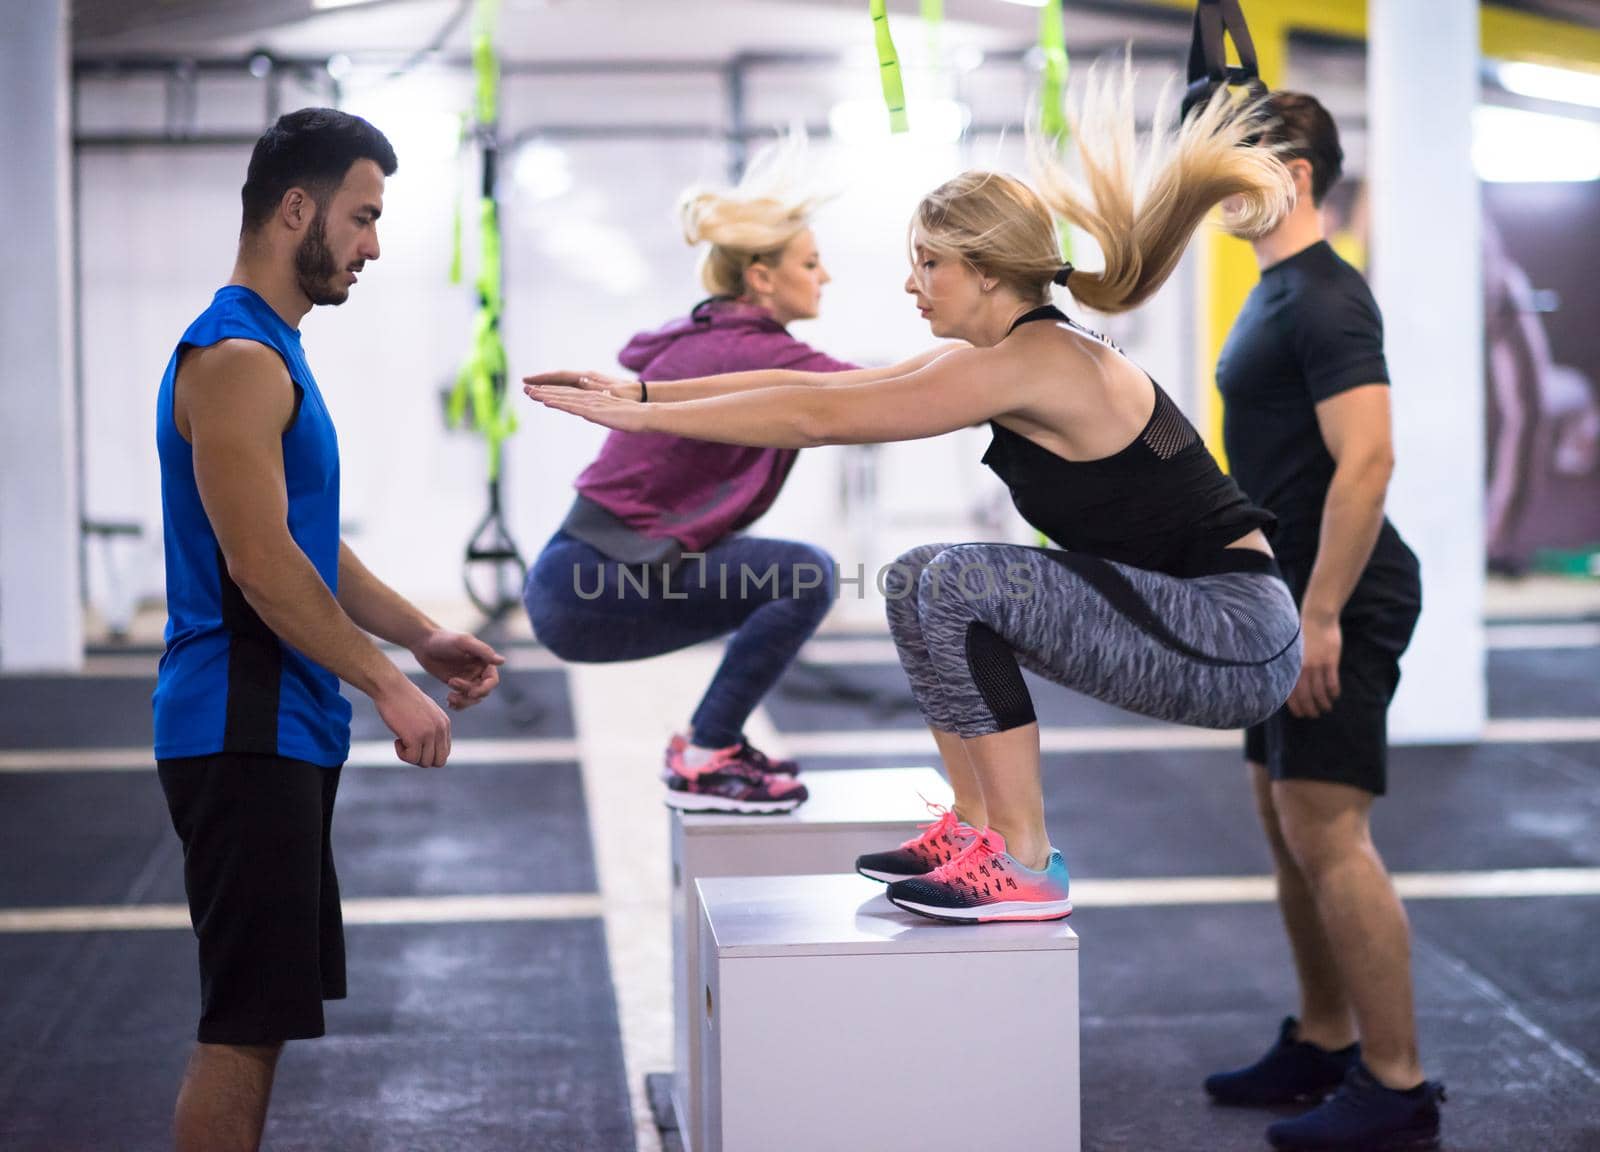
(1541, 82)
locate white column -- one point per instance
(1423, 86)
(41, 624)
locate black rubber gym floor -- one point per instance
(501, 1036)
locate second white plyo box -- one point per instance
(849, 812)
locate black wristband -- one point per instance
(644, 393)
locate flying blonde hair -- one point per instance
(755, 220)
(1141, 205)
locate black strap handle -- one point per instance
(1214, 22)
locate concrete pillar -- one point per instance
(41, 624)
(1423, 87)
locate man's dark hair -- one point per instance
(311, 149)
(1302, 128)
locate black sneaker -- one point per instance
(1364, 1116)
(1292, 1071)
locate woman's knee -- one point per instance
(815, 573)
(963, 578)
(899, 582)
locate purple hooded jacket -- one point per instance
(694, 491)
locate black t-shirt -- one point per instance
(1308, 331)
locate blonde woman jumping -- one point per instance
(1163, 598)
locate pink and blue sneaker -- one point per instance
(986, 883)
(940, 842)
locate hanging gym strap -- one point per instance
(1214, 22)
(933, 24)
(482, 379)
(1052, 93)
(894, 89)
(1053, 83)
(481, 383)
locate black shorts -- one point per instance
(263, 895)
(1350, 744)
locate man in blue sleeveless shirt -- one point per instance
(1307, 433)
(267, 611)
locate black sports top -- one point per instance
(1161, 503)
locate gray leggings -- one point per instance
(1213, 651)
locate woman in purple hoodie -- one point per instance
(651, 558)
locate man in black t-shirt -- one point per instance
(1307, 434)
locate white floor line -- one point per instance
(363, 754)
(141, 665)
(1493, 992)
(1571, 634)
(868, 742)
(396, 910)
(630, 946)
(624, 713)
(1584, 634)
(1194, 890)
(1137, 738)
(1551, 730)
(850, 651)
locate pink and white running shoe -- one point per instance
(986, 883)
(940, 842)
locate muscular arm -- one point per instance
(376, 607)
(1355, 428)
(233, 402)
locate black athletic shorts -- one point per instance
(263, 896)
(1350, 744)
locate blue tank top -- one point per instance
(227, 683)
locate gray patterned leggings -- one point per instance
(1213, 651)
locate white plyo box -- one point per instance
(832, 1019)
(849, 812)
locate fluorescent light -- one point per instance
(1542, 82)
(542, 172)
(1030, 3)
(864, 121)
(325, 4)
(1512, 146)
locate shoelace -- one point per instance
(942, 827)
(974, 865)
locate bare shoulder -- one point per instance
(1048, 353)
(241, 381)
(231, 363)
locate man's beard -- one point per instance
(315, 267)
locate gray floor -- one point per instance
(490, 1036)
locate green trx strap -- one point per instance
(894, 89)
(1052, 91)
(482, 379)
(455, 224)
(933, 22)
(1053, 46)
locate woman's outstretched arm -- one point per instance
(955, 390)
(727, 384)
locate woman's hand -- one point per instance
(586, 382)
(598, 407)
